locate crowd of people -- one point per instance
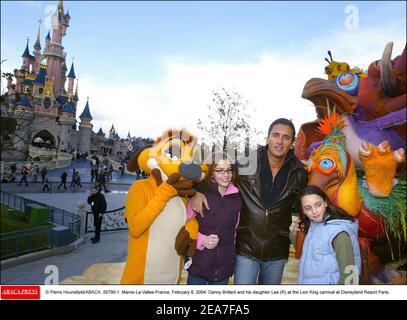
(101, 173)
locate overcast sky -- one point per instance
(147, 66)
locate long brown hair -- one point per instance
(213, 161)
(332, 212)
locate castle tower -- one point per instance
(100, 139)
(53, 51)
(75, 98)
(67, 122)
(85, 129)
(112, 132)
(37, 50)
(71, 80)
(27, 58)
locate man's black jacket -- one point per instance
(263, 233)
(97, 202)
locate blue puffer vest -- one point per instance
(318, 264)
(218, 264)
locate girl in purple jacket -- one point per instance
(214, 260)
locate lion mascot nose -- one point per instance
(190, 170)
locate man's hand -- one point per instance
(211, 241)
(196, 202)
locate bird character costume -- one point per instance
(156, 209)
(356, 153)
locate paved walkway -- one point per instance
(118, 182)
(112, 248)
(113, 245)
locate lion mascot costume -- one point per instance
(156, 209)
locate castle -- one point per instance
(41, 98)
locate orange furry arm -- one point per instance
(142, 210)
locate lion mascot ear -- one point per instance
(139, 160)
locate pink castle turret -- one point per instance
(27, 58)
(37, 51)
(71, 80)
(54, 50)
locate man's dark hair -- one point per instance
(285, 122)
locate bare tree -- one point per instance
(228, 123)
(14, 131)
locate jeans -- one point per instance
(199, 281)
(249, 271)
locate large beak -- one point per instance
(388, 80)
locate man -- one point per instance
(63, 180)
(44, 172)
(262, 241)
(98, 204)
(24, 174)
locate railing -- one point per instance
(17, 243)
(113, 220)
(55, 215)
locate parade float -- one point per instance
(355, 151)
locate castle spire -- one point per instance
(72, 73)
(60, 8)
(37, 45)
(86, 112)
(26, 53)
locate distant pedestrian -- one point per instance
(92, 174)
(36, 172)
(78, 179)
(110, 170)
(103, 181)
(44, 172)
(73, 179)
(46, 184)
(24, 173)
(63, 180)
(98, 204)
(122, 168)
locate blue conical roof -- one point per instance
(72, 72)
(37, 44)
(41, 76)
(86, 112)
(26, 53)
(100, 133)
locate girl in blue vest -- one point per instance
(214, 260)
(331, 251)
